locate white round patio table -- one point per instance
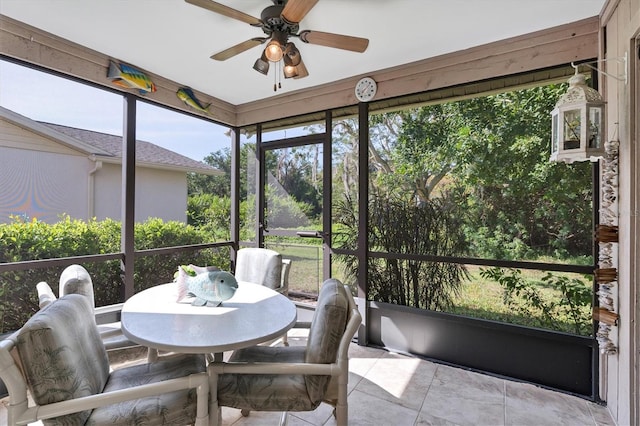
(255, 314)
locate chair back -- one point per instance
(76, 280)
(46, 296)
(336, 390)
(325, 334)
(62, 355)
(260, 266)
(284, 281)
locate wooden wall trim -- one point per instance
(35, 46)
(608, 10)
(550, 47)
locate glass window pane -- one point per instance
(248, 187)
(293, 193)
(183, 190)
(292, 132)
(345, 183)
(572, 129)
(55, 161)
(595, 124)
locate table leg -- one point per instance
(215, 413)
(152, 355)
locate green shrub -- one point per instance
(397, 226)
(23, 240)
(526, 297)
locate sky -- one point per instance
(45, 97)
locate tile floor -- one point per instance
(396, 390)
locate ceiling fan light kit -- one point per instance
(289, 71)
(292, 55)
(262, 64)
(279, 22)
(275, 48)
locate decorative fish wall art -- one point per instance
(209, 288)
(126, 76)
(186, 95)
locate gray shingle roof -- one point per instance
(146, 152)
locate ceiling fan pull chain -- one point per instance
(275, 77)
(279, 79)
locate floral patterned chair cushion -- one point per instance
(296, 392)
(172, 408)
(266, 392)
(63, 357)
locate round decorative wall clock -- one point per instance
(366, 89)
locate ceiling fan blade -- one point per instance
(226, 11)
(355, 44)
(302, 70)
(238, 48)
(295, 10)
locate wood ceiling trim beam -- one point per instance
(547, 48)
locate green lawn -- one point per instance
(482, 298)
(478, 298)
(306, 265)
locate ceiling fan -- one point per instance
(280, 22)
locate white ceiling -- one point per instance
(175, 39)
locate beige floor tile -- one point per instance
(444, 408)
(460, 397)
(601, 415)
(255, 418)
(399, 379)
(467, 385)
(361, 359)
(323, 415)
(368, 410)
(526, 404)
(428, 419)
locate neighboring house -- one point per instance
(48, 170)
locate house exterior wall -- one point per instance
(14, 136)
(44, 179)
(40, 178)
(107, 192)
(42, 185)
(620, 373)
(161, 193)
